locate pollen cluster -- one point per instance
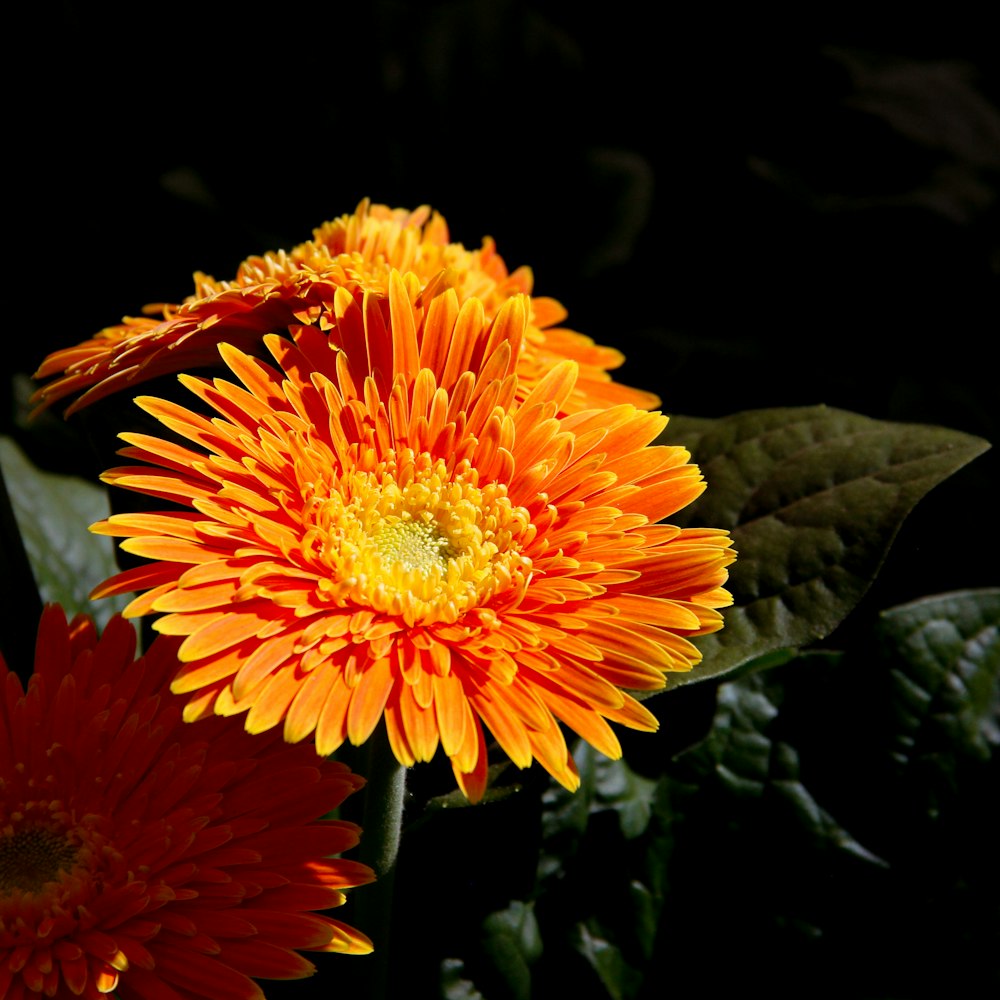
(31, 857)
(413, 545)
(414, 539)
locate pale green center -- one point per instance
(413, 545)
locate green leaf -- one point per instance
(513, 942)
(751, 763)
(945, 693)
(605, 786)
(566, 813)
(53, 513)
(455, 799)
(619, 979)
(618, 788)
(453, 985)
(814, 497)
(647, 906)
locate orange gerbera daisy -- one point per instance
(150, 858)
(281, 290)
(383, 531)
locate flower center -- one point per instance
(413, 545)
(412, 538)
(31, 857)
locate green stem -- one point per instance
(382, 823)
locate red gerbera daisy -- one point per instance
(282, 290)
(149, 857)
(383, 530)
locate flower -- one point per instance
(280, 291)
(384, 531)
(149, 857)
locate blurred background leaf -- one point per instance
(945, 654)
(53, 513)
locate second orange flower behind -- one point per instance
(397, 527)
(281, 290)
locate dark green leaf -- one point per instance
(648, 906)
(619, 979)
(814, 497)
(605, 785)
(453, 985)
(566, 813)
(512, 941)
(54, 513)
(945, 654)
(750, 763)
(455, 799)
(618, 788)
